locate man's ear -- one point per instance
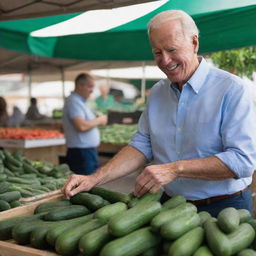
(195, 43)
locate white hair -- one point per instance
(188, 25)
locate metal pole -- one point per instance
(63, 83)
(29, 86)
(143, 81)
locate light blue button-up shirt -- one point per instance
(75, 106)
(213, 115)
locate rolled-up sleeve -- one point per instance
(141, 139)
(238, 131)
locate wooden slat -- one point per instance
(11, 249)
(28, 209)
(39, 197)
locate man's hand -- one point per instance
(153, 177)
(102, 119)
(77, 183)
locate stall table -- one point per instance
(46, 150)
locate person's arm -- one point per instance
(124, 162)
(83, 125)
(154, 177)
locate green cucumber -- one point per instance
(166, 215)
(4, 205)
(177, 227)
(4, 186)
(8, 172)
(55, 232)
(3, 176)
(110, 195)
(93, 202)
(66, 212)
(244, 215)
(67, 243)
(153, 251)
(203, 251)
(228, 220)
(188, 243)
(148, 197)
(44, 207)
(21, 232)
(10, 196)
(216, 239)
(241, 238)
(15, 204)
(108, 211)
(247, 252)
(38, 235)
(133, 218)
(132, 244)
(10, 159)
(173, 202)
(14, 168)
(204, 216)
(92, 242)
(7, 225)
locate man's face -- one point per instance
(85, 89)
(175, 55)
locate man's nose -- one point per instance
(166, 58)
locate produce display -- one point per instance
(118, 134)
(20, 177)
(29, 134)
(103, 222)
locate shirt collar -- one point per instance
(78, 96)
(196, 81)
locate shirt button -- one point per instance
(179, 129)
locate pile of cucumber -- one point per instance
(20, 177)
(117, 134)
(109, 223)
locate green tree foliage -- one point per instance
(241, 62)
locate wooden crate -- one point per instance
(10, 248)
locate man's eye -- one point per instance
(157, 53)
(171, 50)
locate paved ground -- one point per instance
(124, 184)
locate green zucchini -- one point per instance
(93, 202)
(216, 239)
(92, 242)
(15, 204)
(4, 205)
(204, 216)
(67, 243)
(228, 220)
(66, 212)
(55, 232)
(10, 196)
(21, 232)
(247, 252)
(241, 238)
(148, 197)
(244, 215)
(3, 176)
(110, 195)
(108, 211)
(203, 251)
(44, 207)
(10, 159)
(188, 243)
(166, 215)
(132, 244)
(173, 202)
(133, 218)
(7, 225)
(175, 228)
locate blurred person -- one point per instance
(196, 137)
(80, 127)
(3, 112)
(105, 100)
(33, 111)
(17, 117)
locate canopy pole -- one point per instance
(108, 77)
(143, 81)
(29, 85)
(63, 82)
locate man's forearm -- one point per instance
(210, 168)
(124, 162)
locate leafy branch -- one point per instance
(241, 62)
